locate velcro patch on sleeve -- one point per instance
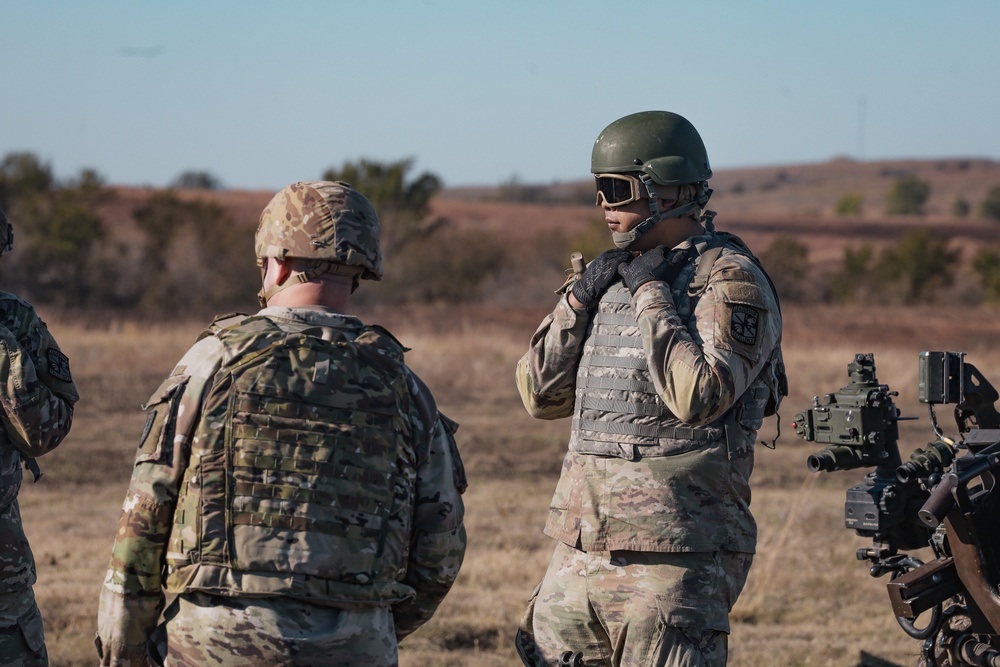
(59, 365)
(744, 323)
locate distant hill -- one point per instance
(799, 190)
(759, 203)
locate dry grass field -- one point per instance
(807, 603)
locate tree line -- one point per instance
(189, 257)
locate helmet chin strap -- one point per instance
(328, 270)
(624, 240)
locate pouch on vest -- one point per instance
(156, 442)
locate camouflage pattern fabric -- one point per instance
(633, 608)
(698, 499)
(325, 220)
(202, 630)
(37, 395)
(22, 638)
(267, 499)
(698, 372)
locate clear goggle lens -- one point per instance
(616, 190)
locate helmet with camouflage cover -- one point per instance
(328, 221)
(6, 233)
(655, 148)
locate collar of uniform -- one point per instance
(318, 315)
(700, 239)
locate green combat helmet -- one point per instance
(636, 153)
(327, 222)
(6, 233)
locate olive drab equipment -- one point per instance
(661, 148)
(303, 466)
(328, 223)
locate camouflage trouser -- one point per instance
(201, 630)
(22, 639)
(633, 608)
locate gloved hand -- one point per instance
(598, 275)
(656, 264)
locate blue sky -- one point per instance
(265, 93)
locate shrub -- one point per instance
(21, 175)
(849, 204)
(197, 180)
(193, 244)
(787, 263)
(960, 207)
(987, 264)
(918, 266)
(421, 262)
(854, 274)
(907, 196)
(989, 208)
(448, 267)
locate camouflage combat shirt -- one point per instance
(238, 495)
(700, 357)
(38, 395)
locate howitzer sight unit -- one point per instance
(944, 498)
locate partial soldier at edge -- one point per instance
(38, 395)
(296, 492)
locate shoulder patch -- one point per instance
(59, 365)
(744, 323)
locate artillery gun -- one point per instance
(945, 498)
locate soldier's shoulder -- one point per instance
(381, 341)
(202, 359)
(736, 262)
(223, 323)
(14, 308)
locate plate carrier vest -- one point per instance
(617, 411)
(302, 468)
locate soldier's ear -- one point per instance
(283, 269)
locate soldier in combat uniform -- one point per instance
(296, 491)
(38, 395)
(665, 351)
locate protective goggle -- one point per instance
(616, 190)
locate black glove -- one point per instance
(598, 275)
(656, 264)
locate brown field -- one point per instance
(808, 602)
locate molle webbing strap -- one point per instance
(606, 361)
(648, 430)
(616, 341)
(620, 297)
(625, 407)
(621, 384)
(615, 319)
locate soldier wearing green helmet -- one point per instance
(296, 490)
(37, 395)
(666, 353)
